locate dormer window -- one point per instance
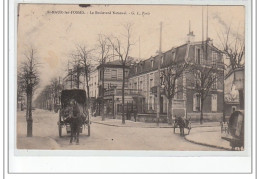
(152, 63)
(173, 56)
(199, 58)
(162, 59)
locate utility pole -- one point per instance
(207, 28)
(70, 73)
(139, 48)
(159, 71)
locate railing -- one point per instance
(118, 92)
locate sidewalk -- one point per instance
(207, 134)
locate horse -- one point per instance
(182, 123)
(76, 120)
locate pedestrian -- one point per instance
(135, 113)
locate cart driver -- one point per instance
(75, 120)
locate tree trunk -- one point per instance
(102, 94)
(123, 96)
(27, 104)
(170, 111)
(87, 85)
(78, 77)
(201, 112)
(29, 109)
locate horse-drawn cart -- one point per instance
(181, 123)
(235, 132)
(67, 96)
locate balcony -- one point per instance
(118, 92)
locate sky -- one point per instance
(55, 35)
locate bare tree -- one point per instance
(169, 78)
(28, 79)
(233, 46)
(82, 65)
(103, 48)
(204, 80)
(122, 48)
(82, 57)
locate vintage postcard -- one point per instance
(131, 77)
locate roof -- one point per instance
(113, 64)
(145, 66)
(116, 62)
(178, 53)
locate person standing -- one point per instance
(75, 121)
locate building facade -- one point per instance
(142, 80)
(144, 77)
(113, 80)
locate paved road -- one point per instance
(103, 137)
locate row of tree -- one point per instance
(83, 59)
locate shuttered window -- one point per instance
(196, 102)
(113, 74)
(214, 102)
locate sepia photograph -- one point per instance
(131, 77)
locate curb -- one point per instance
(207, 145)
(114, 125)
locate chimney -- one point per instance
(210, 41)
(190, 37)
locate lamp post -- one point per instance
(159, 73)
(31, 80)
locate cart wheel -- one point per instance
(59, 125)
(88, 129)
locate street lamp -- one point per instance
(31, 81)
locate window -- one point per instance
(176, 89)
(162, 59)
(197, 79)
(152, 63)
(135, 85)
(100, 74)
(126, 74)
(114, 74)
(214, 102)
(215, 82)
(199, 59)
(141, 85)
(198, 56)
(151, 83)
(196, 102)
(173, 56)
(151, 103)
(214, 58)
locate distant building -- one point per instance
(113, 79)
